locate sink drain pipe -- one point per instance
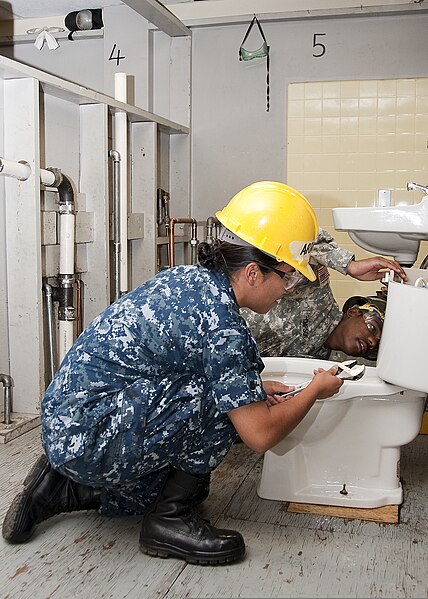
(22, 170)
(66, 275)
(7, 382)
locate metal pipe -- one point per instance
(194, 243)
(212, 222)
(423, 188)
(22, 170)
(7, 382)
(171, 234)
(48, 290)
(115, 156)
(79, 305)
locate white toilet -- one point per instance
(346, 451)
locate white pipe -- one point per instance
(22, 171)
(121, 146)
(66, 243)
(115, 156)
(66, 267)
(66, 338)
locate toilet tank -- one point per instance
(402, 357)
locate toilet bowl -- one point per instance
(346, 450)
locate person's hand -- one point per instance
(372, 269)
(325, 383)
(272, 388)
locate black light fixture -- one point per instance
(84, 20)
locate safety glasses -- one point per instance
(373, 325)
(289, 279)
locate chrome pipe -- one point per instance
(423, 188)
(212, 222)
(48, 290)
(7, 382)
(79, 306)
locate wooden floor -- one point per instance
(288, 554)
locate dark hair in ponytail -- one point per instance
(229, 257)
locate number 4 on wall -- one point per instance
(321, 49)
(116, 57)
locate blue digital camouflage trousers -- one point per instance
(130, 465)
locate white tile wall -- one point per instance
(346, 140)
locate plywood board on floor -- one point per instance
(386, 514)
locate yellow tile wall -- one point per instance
(348, 139)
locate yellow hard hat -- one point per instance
(276, 219)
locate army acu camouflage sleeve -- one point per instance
(299, 324)
(327, 252)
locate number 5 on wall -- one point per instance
(321, 48)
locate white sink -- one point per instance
(390, 231)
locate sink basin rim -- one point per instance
(410, 219)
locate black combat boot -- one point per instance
(171, 527)
(46, 493)
(203, 488)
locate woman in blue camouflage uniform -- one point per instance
(154, 392)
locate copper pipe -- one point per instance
(171, 234)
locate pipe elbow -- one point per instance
(212, 220)
(114, 155)
(6, 380)
(66, 192)
(64, 187)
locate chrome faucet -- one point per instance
(411, 186)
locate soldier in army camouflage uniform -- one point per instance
(307, 322)
(154, 392)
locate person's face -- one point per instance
(271, 287)
(359, 334)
